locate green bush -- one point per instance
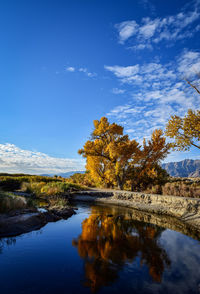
(49, 189)
(58, 188)
(14, 182)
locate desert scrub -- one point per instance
(57, 202)
(9, 202)
(156, 189)
(59, 188)
(33, 188)
(14, 182)
(182, 188)
(50, 189)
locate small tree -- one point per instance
(185, 131)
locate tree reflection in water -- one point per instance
(108, 241)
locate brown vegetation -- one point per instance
(183, 187)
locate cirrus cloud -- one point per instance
(152, 31)
(156, 91)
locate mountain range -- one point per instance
(64, 175)
(185, 168)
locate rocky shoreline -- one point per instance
(187, 210)
(27, 220)
(184, 212)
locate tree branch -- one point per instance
(193, 86)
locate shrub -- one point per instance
(83, 179)
(157, 189)
(48, 189)
(57, 202)
(9, 202)
(58, 188)
(182, 188)
(33, 188)
(14, 182)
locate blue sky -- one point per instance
(66, 63)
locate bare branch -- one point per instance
(193, 86)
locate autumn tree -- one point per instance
(146, 167)
(185, 130)
(108, 153)
(113, 159)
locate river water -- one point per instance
(101, 250)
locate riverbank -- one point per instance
(27, 220)
(187, 210)
(156, 209)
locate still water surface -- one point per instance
(100, 250)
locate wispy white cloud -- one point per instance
(142, 46)
(123, 71)
(118, 91)
(142, 74)
(14, 159)
(156, 92)
(147, 30)
(189, 63)
(86, 72)
(151, 31)
(157, 75)
(83, 70)
(126, 30)
(70, 68)
(124, 111)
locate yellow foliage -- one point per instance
(112, 157)
(185, 131)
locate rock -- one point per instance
(63, 213)
(26, 221)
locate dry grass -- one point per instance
(8, 202)
(182, 189)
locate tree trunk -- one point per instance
(132, 187)
(120, 186)
(120, 183)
